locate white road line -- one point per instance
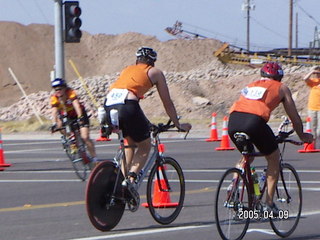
(266, 231)
(30, 143)
(145, 232)
(223, 170)
(38, 180)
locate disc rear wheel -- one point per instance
(103, 208)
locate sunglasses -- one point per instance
(58, 89)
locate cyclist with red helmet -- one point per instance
(65, 101)
(250, 114)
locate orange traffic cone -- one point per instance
(2, 159)
(102, 138)
(161, 195)
(308, 147)
(225, 142)
(213, 132)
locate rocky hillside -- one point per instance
(199, 83)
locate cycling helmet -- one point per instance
(146, 53)
(272, 70)
(58, 82)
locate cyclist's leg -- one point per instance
(85, 135)
(272, 175)
(314, 124)
(237, 123)
(140, 157)
(136, 130)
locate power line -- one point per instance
(41, 11)
(26, 11)
(269, 29)
(309, 15)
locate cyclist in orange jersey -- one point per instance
(65, 101)
(250, 114)
(125, 94)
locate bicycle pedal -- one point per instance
(132, 197)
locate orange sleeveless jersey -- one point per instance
(260, 98)
(68, 107)
(135, 79)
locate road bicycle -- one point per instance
(237, 203)
(74, 147)
(106, 196)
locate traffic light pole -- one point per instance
(58, 40)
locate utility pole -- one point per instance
(58, 40)
(290, 27)
(247, 6)
(297, 30)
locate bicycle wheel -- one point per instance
(103, 208)
(231, 203)
(288, 198)
(165, 191)
(77, 155)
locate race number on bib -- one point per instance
(116, 96)
(253, 93)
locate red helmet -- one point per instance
(272, 70)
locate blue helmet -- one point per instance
(57, 82)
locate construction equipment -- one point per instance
(178, 32)
(301, 56)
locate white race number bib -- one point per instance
(116, 96)
(254, 93)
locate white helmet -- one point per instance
(146, 52)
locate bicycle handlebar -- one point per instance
(283, 135)
(160, 127)
(73, 122)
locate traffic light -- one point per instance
(72, 22)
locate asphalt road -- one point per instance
(42, 199)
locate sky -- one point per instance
(219, 19)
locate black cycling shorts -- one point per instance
(132, 120)
(256, 128)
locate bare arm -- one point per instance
(55, 115)
(292, 112)
(313, 71)
(306, 77)
(77, 107)
(159, 80)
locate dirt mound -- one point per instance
(29, 52)
(199, 83)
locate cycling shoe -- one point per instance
(272, 210)
(132, 195)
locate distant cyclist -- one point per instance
(251, 113)
(125, 94)
(65, 101)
